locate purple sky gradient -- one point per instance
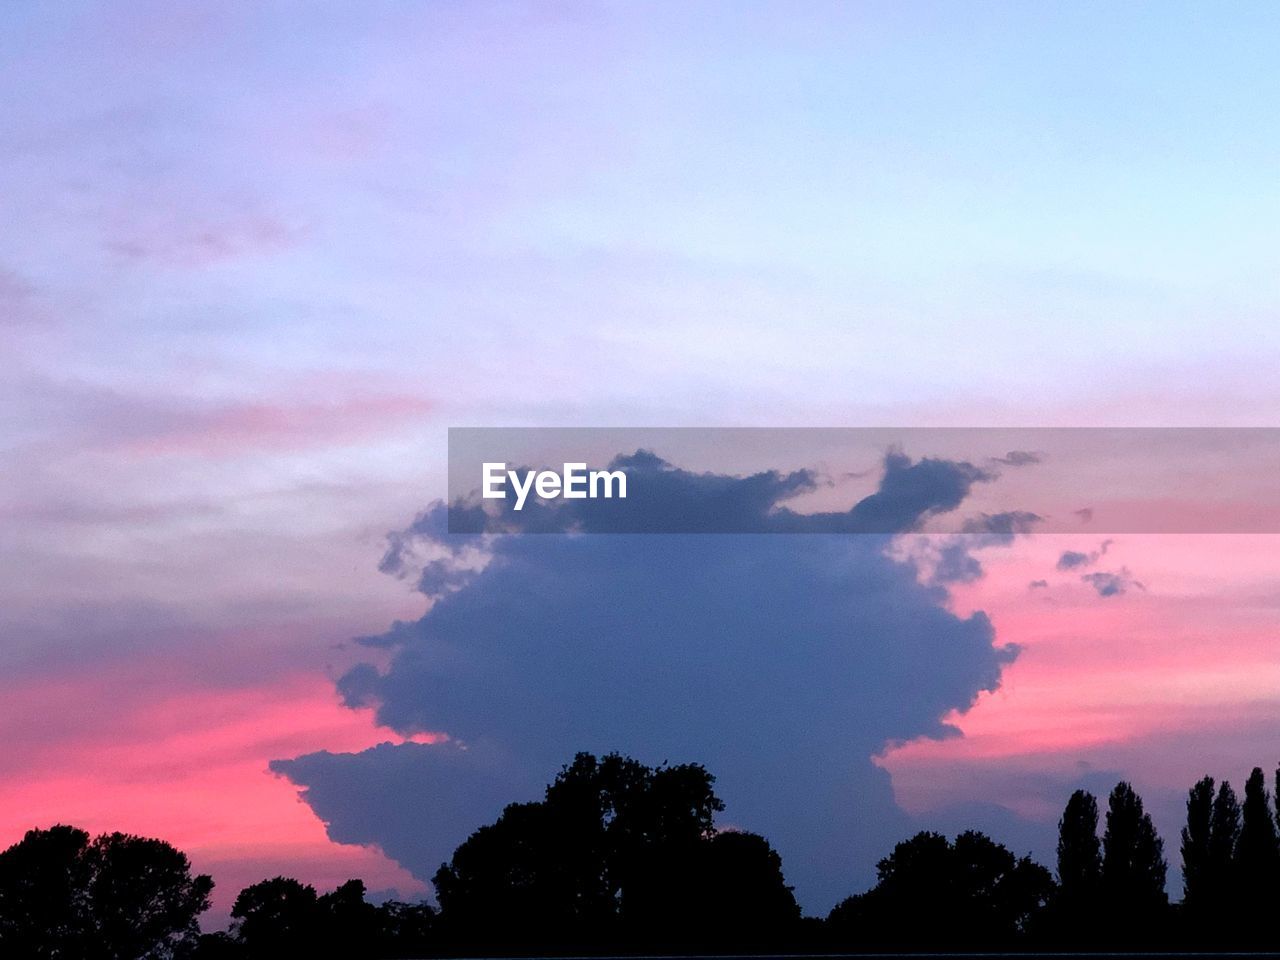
(258, 257)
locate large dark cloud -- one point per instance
(782, 662)
(415, 801)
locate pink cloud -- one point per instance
(233, 429)
(302, 415)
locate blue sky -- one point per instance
(671, 205)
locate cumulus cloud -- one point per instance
(1112, 584)
(1075, 559)
(784, 663)
(1002, 527)
(414, 801)
(953, 559)
(1071, 559)
(956, 564)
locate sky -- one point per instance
(259, 257)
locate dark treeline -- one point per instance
(618, 857)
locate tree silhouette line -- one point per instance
(619, 857)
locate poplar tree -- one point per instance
(1079, 852)
(1196, 842)
(1277, 800)
(1257, 857)
(1133, 864)
(1224, 832)
(1256, 849)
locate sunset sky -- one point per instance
(257, 259)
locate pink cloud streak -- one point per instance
(233, 429)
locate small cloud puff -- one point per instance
(1019, 458)
(1112, 584)
(1074, 559)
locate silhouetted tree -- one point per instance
(1224, 833)
(277, 917)
(219, 945)
(651, 826)
(1257, 858)
(740, 897)
(623, 856)
(1004, 891)
(974, 893)
(1073, 915)
(1079, 851)
(406, 929)
(1196, 840)
(347, 924)
(615, 851)
(44, 891)
(117, 896)
(283, 917)
(1211, 905)
(1256, 850)
(1277, 795)
(1133, 867)
(510, 869)
(143, 900)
